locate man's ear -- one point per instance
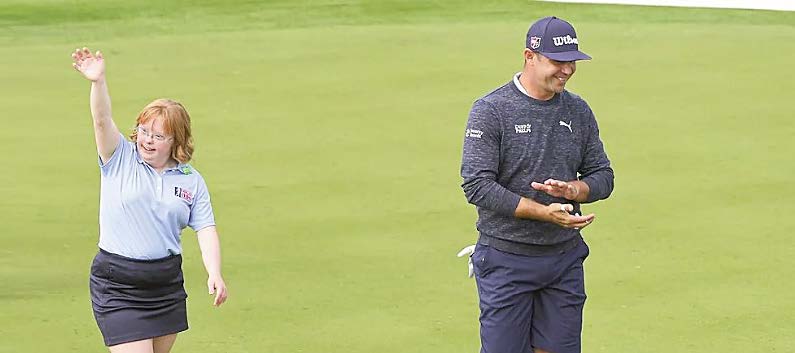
(528, 55)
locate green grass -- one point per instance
(330, 131)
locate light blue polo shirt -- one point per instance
(141, 212)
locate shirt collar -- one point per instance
(137, 155)
(519, 84)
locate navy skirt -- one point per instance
(135, 299)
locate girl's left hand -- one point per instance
(217, 286)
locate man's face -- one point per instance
(551, 75)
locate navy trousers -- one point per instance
(530, 302)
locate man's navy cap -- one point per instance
(555, 39)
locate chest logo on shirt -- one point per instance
(523, 129)
(563, 123)
(183, 194)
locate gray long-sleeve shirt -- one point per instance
(512, 140)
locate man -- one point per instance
(532, 155)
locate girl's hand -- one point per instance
(91, 66)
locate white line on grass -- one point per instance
(780, 5)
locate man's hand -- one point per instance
(558, 213)
(468, 251)
(557, 188)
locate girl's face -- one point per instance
(154, 146)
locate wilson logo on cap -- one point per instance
(558, 41)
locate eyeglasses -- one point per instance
(156, 137)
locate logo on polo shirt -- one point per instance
(558, 41)
(522, 129)
(563, 123)
(474, 133)
(183, 194)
